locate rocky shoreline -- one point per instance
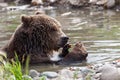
(100, 71)
(106, 4)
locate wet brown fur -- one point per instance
(37, 36)
(77, 54)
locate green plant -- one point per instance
(13, 69)
(43, 78)
(88, 77)
(27, 65)
(75, 75)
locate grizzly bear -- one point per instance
(39, 36)
(77, 54)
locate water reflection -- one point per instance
(98, 30)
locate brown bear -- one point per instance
(39, 36)
(77, 54)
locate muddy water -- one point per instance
(98, 30)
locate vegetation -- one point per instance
(75, 75)
(13, 70)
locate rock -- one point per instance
(85, 71)
(34, 73)
(96, 66)
(97, 76)
(104, 3)
(50, 74)
(66, 74)
(40, 78)
(26, 77)
(118, 64)
(36, 2)
(110, 3)
(70, 74)
(107, 72)
(3, 4)
(78, 2)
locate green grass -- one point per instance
(13, 70)
(42, 78)
(27, 65)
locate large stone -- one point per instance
(34, 73)
(109, 72)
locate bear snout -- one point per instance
(65, 38)
(63, 41)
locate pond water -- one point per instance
(98, 30)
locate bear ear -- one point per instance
(25, 19)
(39, 12)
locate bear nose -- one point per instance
(65, 38)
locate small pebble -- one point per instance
(50, 74)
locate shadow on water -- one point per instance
(98, 30)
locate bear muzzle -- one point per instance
(63, 41)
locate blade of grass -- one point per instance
(27, 65)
